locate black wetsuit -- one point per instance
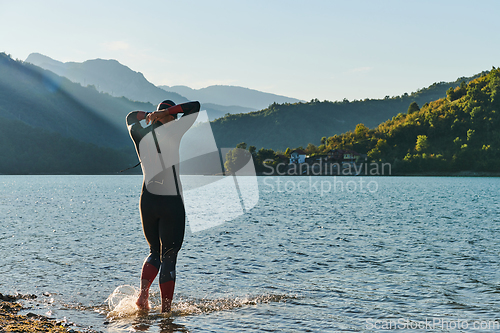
(161, 206)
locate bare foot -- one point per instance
(166, 305)
(142, 301)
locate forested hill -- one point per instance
(34, 150)
(292, 125)
(51, 125)
(42, 99)
(107, 76)
(460, 132)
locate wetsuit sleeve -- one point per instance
(135, 117)
(188, 108)
(134, 126)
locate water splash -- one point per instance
(185, 307)
(121, 303)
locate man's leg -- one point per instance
(167, 278)
(151, 233)
(149, 271)
(172, 229)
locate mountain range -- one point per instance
(118, 80)
(107, 76)
(40, 98)
(280, 126)
(49, 124)
(251, 99)
(45, 107)
(241, 114)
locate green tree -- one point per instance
(265, 157)
(361, 130)
(311, 149)
(252, 150)
(379, 151)
(470, 134)
(455, 93)
(242, 145)
(413, 108)
(236, 159)
(422, 144)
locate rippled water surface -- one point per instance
(320, 254)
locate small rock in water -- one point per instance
(8, 298)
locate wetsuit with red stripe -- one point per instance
(161, 206)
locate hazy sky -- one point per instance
(304, 49)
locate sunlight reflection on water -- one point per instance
(416, 248)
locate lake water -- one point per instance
(319, 254)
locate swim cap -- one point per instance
(165, 105)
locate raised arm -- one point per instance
(134, 126)
(186, 108)
(189, 108)
(135, 117)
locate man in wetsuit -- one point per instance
(162, 209)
